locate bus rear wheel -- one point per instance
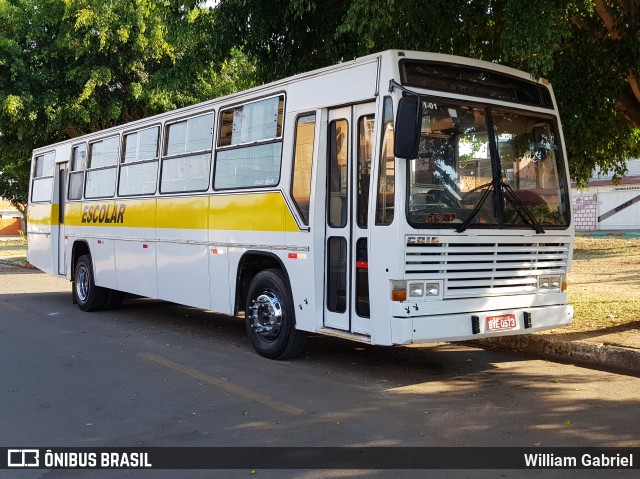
(86, 294)
(270, 317)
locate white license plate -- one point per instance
(502, 322)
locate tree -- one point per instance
(70, 67)
(589, 49)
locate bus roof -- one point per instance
(388, 57)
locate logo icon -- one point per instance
(23, 458)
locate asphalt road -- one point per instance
(157, 374)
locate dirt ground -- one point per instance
(604, 284)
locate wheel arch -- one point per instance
(251, 263)
(80, 247)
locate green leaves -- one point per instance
(70, 67)
(12, 106)
(532, 32)
(587, 59)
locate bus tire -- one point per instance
(270, 317)
(86, 294)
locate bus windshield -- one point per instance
(487, 167)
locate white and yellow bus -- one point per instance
(402, 197)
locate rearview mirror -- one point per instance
(407, 130)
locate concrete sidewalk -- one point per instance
(614, 234)
(616, 347)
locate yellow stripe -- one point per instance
(253, 212)
(42, 214)
(245, 212)
(71, 212)
(182, 213)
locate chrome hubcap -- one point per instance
(266, 315)
(82, 283)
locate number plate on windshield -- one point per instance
(501, 323)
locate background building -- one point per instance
(603, 206)
(10, 219)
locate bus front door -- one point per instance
(350, 139)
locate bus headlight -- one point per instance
(403, 290)
(553, 283)
(416, 290)
(432, 289)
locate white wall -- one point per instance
(607, 197)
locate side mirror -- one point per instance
(407, 130)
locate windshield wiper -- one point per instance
(523, 211)
(465, 224)
(510, 195)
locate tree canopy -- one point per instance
(69, 67)
(588, 49)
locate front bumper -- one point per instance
(460, 327)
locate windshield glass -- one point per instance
(457, 161)
(529, 158)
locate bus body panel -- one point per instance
(40, 221)
(187, 261)
(136, 267)
(181, 238)
(347, 86)
(103, 255)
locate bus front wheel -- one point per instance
(86, 294)
(270, 317)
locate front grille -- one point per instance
(490, 268)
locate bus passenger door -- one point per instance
(61, 173)
(349, 152)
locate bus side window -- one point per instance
(76, 176)
(385, 204)
(187, 150)
(249, 150)
(139, 166)
(42, 187)
(103, 162)
(302, 164)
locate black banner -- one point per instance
(320, 458)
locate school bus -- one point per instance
(402, 197)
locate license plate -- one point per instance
(501, 323)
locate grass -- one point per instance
(607, 247)
(604, 282)
(14, 250)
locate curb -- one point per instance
(17, 264)
(605, 234)
(604, 355)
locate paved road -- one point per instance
(157, 374)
